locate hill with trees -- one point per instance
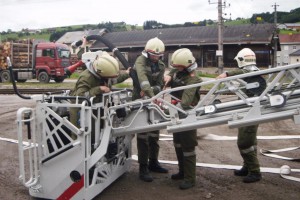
(282, 17)
(53, 34)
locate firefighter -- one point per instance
(247, 140)
(96, 79)
(150, 71)
(185, 142)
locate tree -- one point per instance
(282, 17)
(150, 24)
(20, 34)
(56, 35)
(292, 17)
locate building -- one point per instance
(289, 26)
(295, 57)
(69, 37)
(201, 40)
(290, 43)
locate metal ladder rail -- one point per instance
(31, 147)
(254, 114)
(48, 117)
(214, 92)
(236, 116)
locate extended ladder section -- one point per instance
(67, 161)
(242, 100)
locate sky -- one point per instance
(39, 14)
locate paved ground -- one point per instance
(216, 184)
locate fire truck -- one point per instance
(56, 165)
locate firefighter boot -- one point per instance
(144, 173)
(154, 166)
(189, 172)
(252, 163)
(252, 177)
(241, 172)
(180, 174)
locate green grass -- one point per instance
(289, 32)
(237, 22)
(14, 36)
(75, 75)
(123, 85)
(206, 75)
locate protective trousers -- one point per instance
(147, 146)
(247, 146)
(74, 119)
(74, 116)
(179, 155)
(184, 143)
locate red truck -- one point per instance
(41, 60)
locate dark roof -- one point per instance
(296, 53)
(70, 37)
(197, 35)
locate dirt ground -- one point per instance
(216, 184)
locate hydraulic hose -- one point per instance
(118, 54)
(13, 80)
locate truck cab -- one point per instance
(50, 62)
(34, 59)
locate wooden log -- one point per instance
(20, 45)
(22, 65)
(21, 54)
(4, 54)
(3, 63)
(21, 50)
(5, 46)
(24, 41)
(5, 50)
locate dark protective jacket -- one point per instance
(188, 97)
(88, 85)
(89, 82)
(150, 76)
(247, 140)
(185, 141)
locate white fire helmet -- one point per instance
(106, 66)
(184, 58)
(155, 47)
(245, 57)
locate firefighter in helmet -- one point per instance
(184, 65)
(150, 71)
(247, 141)
(96, 79)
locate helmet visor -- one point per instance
(155, 54)
(179, 65)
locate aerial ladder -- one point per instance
(58, 160)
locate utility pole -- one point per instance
(219, 52)
(275, 37)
